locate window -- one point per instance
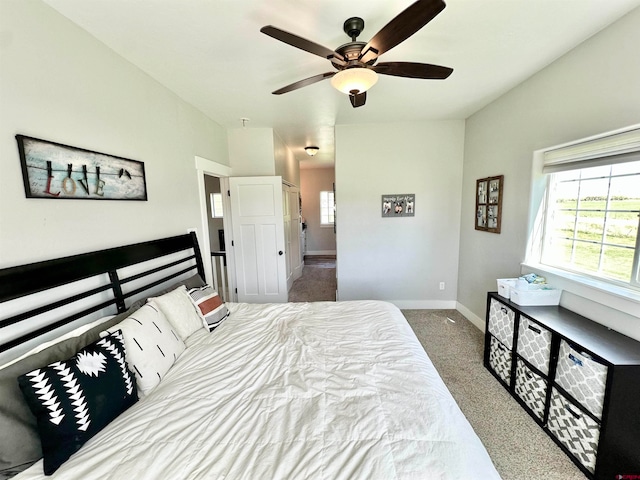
(326, 208)
(216, 205)
(593, 216)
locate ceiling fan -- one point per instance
(355, 61)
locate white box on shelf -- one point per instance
(524, 285)
(505, 285)
(543, 296)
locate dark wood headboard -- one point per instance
(25, 280)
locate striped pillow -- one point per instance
(210, 306)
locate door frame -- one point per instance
(294, 232)
(223, 172)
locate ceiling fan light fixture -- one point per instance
(358, 80)
(311, 150)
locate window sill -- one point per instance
(626, 300)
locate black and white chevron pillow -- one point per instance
(74, 399)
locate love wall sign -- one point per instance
(52, 170)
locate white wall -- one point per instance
(251, 151)
(399, 259)
(593, 89)
(59, 83)
(286, 164)
(260, 152)
(320, 239)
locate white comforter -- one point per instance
(292, 391)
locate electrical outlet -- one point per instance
(441, 285)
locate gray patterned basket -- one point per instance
(582, 377)
(501, 320)
(578, 432)
(531, 388)
(534, 344)
(500, 359)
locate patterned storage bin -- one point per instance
(582, 377)
(574, 429)
(501, 319)
(534, 344)
(500, 360)
(531, 388)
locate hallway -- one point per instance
(318, 280)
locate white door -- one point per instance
(258, 236)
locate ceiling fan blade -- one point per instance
(413, 70)
(301, 43)
(401, 27)
(358, 99)
(304, 83)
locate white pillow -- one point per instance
(178, 308)
(151, 343)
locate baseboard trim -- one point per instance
(319, 252)
(424, 304)
(472, 317)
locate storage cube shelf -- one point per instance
(577, 379)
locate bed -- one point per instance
(325, 390)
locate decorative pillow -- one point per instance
(152, 345)
(19, 438)
(178, 308)
(210, 306)
(73, 400)
(194, 281)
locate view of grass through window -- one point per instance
(592, 222)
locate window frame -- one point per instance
(330, 214)
(634, 280)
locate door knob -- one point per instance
(280, 252)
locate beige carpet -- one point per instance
(318, 281)
(519, 448)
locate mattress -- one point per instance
(329, 390)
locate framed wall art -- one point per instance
(398, 205)
(53, 170)
(488, 216)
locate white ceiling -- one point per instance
(211, 53)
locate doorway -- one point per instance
(318, 236)
(216, 235)
(216, 226)
(253, 231)
(318, 281)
